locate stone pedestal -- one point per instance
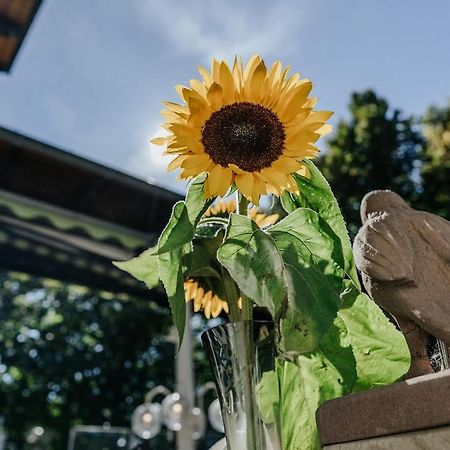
(410, 415)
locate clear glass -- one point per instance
(240, 353)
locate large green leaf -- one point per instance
(289, 271)
(316, 240)
(304, 386)
(251, 257)
(312, 277)
(315, 193)
(380, 350)
(172, 276)
(293, 393)
(143, 267)
(202, 262)
(180, 229)
(268, 396)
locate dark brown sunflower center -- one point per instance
(246, 134)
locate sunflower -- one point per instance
(250, 126)
(205, 299)
(225, 208)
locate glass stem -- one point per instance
(247, 307)
(254, 437)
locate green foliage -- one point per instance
(185, 215)
(167, 260)
(144, 267)
(172, 275)
(72, 356)
(315, 193)
(332, 338)
(435, 171)
(381, 352)
(376, 149)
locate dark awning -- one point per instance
(66, 217)
(15, 20)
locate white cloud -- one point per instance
(222, 29)
(150, 164)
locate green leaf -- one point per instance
(251, 257)
(171, 273)
(380, 350)
(268, 396)
(208, 230)
(180, 229)
(289, 271)
(308, 249)
(336, 346)
(304, 386)
(143, 267)
(287, 202)
(317, 241)
(202, 262)
(293, 393)
(315, 193)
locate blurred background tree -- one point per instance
(435, 171)
(73, 356)
(377, 148)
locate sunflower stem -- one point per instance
(247, 307)
(242, 205)
(232, 294)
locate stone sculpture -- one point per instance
(404, 259)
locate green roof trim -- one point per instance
(27, 209)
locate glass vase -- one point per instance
(242, 357)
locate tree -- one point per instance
(435, 171)
(72, 356)
(377, 148)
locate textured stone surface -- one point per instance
(404, 259)
(416, 404)
(434, 439)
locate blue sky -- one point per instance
(91, 74)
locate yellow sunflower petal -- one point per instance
(215, 70)
(236, 169)
(251, 66)
(197, 161)
(219, 180)
(198, 86)
(161, 140)
(259, 188)
(227, 83)
(301, 138)
(254, 87)
(198, 300)
(324, 129)
(199, 112)
(207, 304)
(175, 163)
(275, 178)
(216, 306)
(245, 182)
(294, 105)
(215, 97)
(176, 107)
(207, 78)
(225, 307)
(286, 165)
